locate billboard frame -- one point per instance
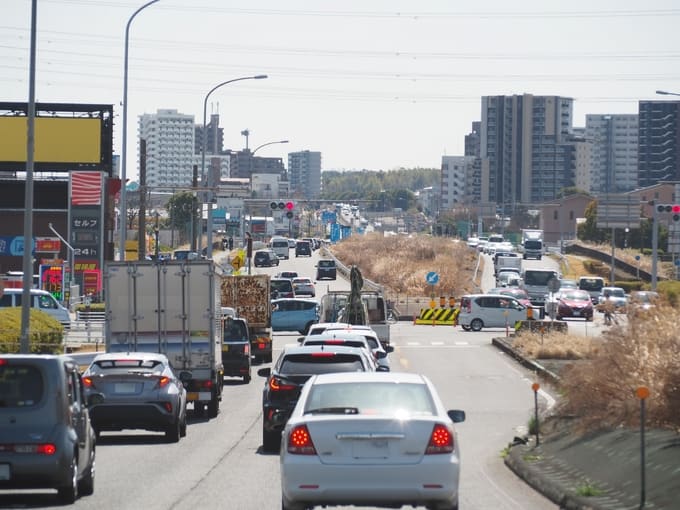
(101, 112)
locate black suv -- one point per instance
(326, 269)
(303, 248)
(236, 348)
(295, 365)
(265, 258)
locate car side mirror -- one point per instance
(185, 376)
(301, 339)
(389, 349)
(382, 368)
(456, 415)
(264, 372)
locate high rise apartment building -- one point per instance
(457, 181)
(613, 143)
(526, 154)
(214, 143)
(304, 174)
(659, 135)
(169, 137)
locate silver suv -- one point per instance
(46, 440)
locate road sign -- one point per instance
(237, 262)
(432, 278)
(618, 211)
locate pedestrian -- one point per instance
(607, 308)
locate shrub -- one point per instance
(46, 334)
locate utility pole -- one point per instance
(194, 226)
(141, 217)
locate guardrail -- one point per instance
(85, 316)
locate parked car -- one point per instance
(574, 303)
(294, 314)
(479, 311)
(326, 268)
(236, 356)
(614, 296)
(265, 258)
(303, 248)
(370, 439)
(46, 439)
(304, 286)
(281, 288)
(136, 390)
(294, 366)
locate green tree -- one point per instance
(588, 231)
(179, 209)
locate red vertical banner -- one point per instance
(92, 282)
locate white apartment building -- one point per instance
(457, 176)
(304, 174)
(614, 152)
(170, 146)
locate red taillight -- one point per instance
(441, 440)
(276, 384)
(323, 354)
(207, 384)
(3, 362)
(87, 382)
(300, 442)
(163, 381)
(168, 406)
(46, 449)
(246, 349)
(334, 342)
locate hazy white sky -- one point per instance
(375, 84)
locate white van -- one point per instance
(479, 311)
(280, 247)
(592, 284)
(41, 300)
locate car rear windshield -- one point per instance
(235, 331)
(321, 363)
(347, 343)
(385, 398)
(124, 365)
(282, 285)
(20, 385)
(326, 263)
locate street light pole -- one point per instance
(208, 181)
(123, 168)
(666, 93)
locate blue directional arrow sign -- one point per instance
(432, 278)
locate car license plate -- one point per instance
(125, 387)
(192, 396)
(4, 472)
(374, 449)
(577, 313)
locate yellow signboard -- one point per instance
(237, 262)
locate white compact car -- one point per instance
(370, 439)
(479, 311)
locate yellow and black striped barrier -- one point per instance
(438, 316)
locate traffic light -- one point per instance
(289, 214)
(289, 207)
(670, 208)
(273, 205)
(282, 205)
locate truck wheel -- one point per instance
(213, 406)
(476, 325)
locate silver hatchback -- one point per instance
(46, 440)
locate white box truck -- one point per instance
(532, 244)
(172, 307)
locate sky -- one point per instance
(371, 84)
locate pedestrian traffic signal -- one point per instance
(273, 205)
(282, 205)
(290, 206)
(670, 208)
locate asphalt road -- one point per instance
(219, 463)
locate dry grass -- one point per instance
(599, 390)
(555, 345)
(400, 263)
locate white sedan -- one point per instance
(370, 439)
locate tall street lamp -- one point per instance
(666, 93)
(252, 160)
(123, 168)
(205, 141)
